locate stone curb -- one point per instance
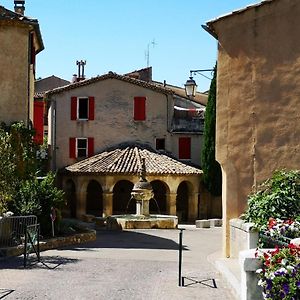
(53, 243)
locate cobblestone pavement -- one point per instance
(135, 264)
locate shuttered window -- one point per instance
(82, 108)
(139, 113)
(184, 145)
(72, 147)
(81, 147)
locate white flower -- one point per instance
(258, 271)
(260, 282)
(8, 214)
(284, 262)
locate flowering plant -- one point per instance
(287, 228)
(280, 274)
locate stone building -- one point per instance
(20, 42)
(258, 98)
(90, 116)
(101, 185)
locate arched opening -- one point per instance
(70, 196)
(182, 202)
(160, 198)
(94, 199)
(122, 202)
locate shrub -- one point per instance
(277, 197)
(37, 198)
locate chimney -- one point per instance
(74, 78)
(20, 6)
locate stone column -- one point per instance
(193, 207)
(107, 204)
(81, 201)
(171, 204)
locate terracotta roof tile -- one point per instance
(111, 75)
(127, 159)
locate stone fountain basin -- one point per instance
(141, 222)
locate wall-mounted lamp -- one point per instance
(191, 86)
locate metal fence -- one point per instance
(12, 229)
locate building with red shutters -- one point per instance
(90, 116)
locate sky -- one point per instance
(114, 35)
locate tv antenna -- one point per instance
(147, 52)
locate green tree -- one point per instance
(212, 176)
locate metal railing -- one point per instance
(12, 229)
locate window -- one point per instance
(160, 144)
(82, 108)
(139, 113)
(184, 145)
(81, 147)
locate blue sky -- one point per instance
(113, 35)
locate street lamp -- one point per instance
(191, 86)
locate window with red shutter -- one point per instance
(91, 108)
(73, 108)
(184, 151)
(90, 146)
(72, 147)
(82, 108)
(139, 113)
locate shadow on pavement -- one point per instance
(49, 262)
(127, 240)
(5, 292)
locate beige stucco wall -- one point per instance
(14, 73)
(258, 97)
(114, 124)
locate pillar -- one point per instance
(193, 207)
(81, 201)
(107, 204)
(171, 204)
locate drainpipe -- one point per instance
(53, 135)
(28, 82)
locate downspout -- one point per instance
(53, 135)
(28, 81)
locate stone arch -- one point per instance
(94, 198)
(160, 190)
(122, 202)
(183, 198)
(70, 196)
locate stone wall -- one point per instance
(258, 88)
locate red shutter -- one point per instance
(90, 146)
(184, 148)
(73, 108)
(91, 108)
(72, 147)
(139, 108)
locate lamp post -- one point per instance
(191, 86)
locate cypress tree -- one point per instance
(212, 176)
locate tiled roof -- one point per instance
(209, 24)
(127, 159)
(111, 75)
(8, 15)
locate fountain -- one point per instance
(142, 193)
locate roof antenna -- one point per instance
(80, 65)
(147, 52)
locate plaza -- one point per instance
(129, 264)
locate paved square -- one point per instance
(132, 264)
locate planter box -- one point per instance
(243, 236)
